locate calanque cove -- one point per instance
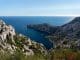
(65, 36)
(65, 39)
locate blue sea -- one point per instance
(20, 23)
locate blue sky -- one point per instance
(39, 7)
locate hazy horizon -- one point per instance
(39, 8)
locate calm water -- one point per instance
(20, 22)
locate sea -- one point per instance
(20, 24)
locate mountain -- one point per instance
(68, 34)
(72, 28)
(65, 36)
(11, 41)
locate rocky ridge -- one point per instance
(45, 28)
(11, 41)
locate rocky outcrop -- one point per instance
(5, 31)
(11, 41)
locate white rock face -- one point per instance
(28, 51)
(8, 39)
(6, 30)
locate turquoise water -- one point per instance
(20, 22)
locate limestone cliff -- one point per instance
(11, 41)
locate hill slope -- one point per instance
(65, 36)
(11, 41)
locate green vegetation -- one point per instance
(56, 54)
(64, 54)
(18, 55)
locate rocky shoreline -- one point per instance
(64, 36)
(44, 28)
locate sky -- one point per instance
(39, 7)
